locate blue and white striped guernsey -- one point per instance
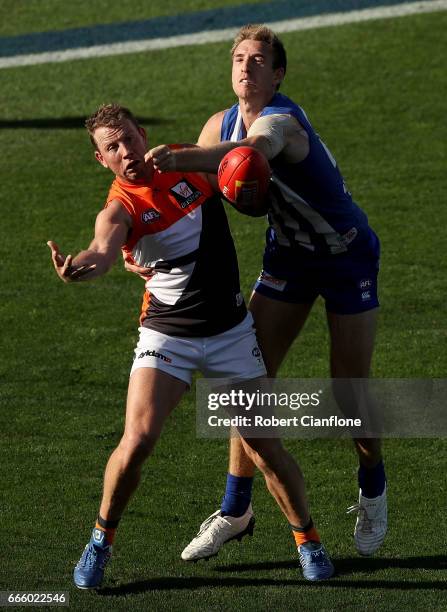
(311, 207)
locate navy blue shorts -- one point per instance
(347, 282)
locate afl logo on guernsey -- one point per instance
(150, 215)
(185, 193)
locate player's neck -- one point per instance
(138, 182)
(251, 109)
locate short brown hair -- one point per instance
(108, 115)
(263, 34)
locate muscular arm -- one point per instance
(271, 134)
(111, 229)
(210, 134)
(280, 134)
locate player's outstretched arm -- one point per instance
(270, 134)
(64, 265)
(111, 229)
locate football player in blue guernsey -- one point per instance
(318, 243)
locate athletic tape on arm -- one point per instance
(276, 129)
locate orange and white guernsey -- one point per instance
(180, 228)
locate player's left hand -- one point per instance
(131, 266)
(162, 157)
(63, 265)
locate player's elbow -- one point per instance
(102, 261)
(105, 262)
(262, 144)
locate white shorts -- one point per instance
(234, 354)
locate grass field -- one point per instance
(376, 93)
(25, 16)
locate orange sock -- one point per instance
(109, 531)
(305, 534)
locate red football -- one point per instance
(243, 177)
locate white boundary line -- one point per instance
(212, 36)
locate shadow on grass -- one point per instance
(65, 123)
(348, 565)
(344, 567)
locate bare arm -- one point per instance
(271, 134)
(210, 134)
(111, 229)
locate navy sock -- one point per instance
(372, 480)
(237, 495)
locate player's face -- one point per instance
(253, 75)
(122, 150)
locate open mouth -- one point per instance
(132, 165)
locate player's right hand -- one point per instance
(162, 158)
(63, 265)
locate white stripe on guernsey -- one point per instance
(179, 239)
(169, 287)
(213, 36)
(235, 136)
(318, 223)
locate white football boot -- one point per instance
(371, 525)
(215, 531)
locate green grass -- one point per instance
(26, 16)
(375, 93)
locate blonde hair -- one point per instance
(263, 34)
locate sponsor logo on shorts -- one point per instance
(365, 283)
(239, 299)
(185, 193)
(151, 353)
(271, 281)
(366, 295)
(150, 215)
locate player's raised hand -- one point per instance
(162, 158)
(63, 265)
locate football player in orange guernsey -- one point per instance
(193, 318)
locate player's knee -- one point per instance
(137, 446)
(347, 394)
(341, 389)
